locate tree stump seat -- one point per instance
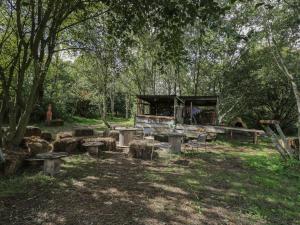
(52, 161)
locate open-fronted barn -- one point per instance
(169, 110)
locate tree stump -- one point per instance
(32, 131)
(47, 136)
(69, 145)
(83, 132)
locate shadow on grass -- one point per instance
(109, 191)
(259, 188)
(215, 188)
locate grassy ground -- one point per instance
(228, 183)
(85, 122)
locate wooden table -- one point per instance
(126, 136)
(52, 161)
(93, 148)
(175, 140)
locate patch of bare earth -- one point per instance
(110, 191)
(118, 190)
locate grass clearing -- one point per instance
(229, 183)
(77, 121)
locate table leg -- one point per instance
(175, 144)
(52, 166)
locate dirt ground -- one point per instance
(121, 190)
(111, 191)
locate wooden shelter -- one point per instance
(168, 110)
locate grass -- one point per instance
(22, 183)
(112, 120)
(230, 183)
(254, 182)
(77, 121)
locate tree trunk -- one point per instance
(20, 129)
(296, 93)
(104, 108)
(126, 107)
(282, 66)
(112, 102)
(197, 80)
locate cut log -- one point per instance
(83, 132)
(32, 131)
(37, 145)
(63, 135)
(69, 145)
(47, 136)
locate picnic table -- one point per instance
(52, 161)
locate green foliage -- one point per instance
(106, 52)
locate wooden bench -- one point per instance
(52, 161)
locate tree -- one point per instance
(34, 30)
(281, 26)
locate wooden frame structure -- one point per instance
(168, 110)
(279, 139)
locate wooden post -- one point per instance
(255, 138)
(175, 142)
(138, 107)
(217, 112)
(175, 106)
